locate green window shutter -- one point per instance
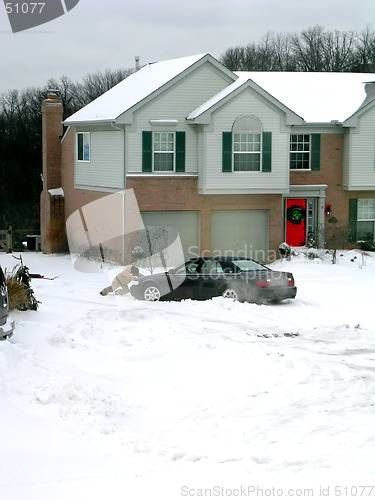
(267, 152)
(227, 152)
(147, 151)
(315, 151)
(353, 208)
(180, 151)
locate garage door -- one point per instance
(184, 224)
(242, 233)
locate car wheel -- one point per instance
(230, 293)
(151, 293)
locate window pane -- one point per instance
(247, 162)
(83, 146)
(366, 209)
(246, 142)
(163, 162)
(80, 147)
(163, 141)
(248, 265)
(364, 228)
(86, 147)
(299, 160)
(247, 124)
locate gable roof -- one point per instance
(239, 85)
(136, 88)
(303, 96)
(368, 103)
(316, 97)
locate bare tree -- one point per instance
(314, 49)
(233, 58)
(284, 58)
(96, 84)
(21, 141)
(364, 54)
(337, 50)
(150, 247)
(307, 48)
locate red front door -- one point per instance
(295, 212)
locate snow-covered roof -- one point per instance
(132, 90)
(316, 97)
(242, 81)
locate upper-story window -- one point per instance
(299, 155)
(246, 144)
(247, 148)
(83, 146)
(304, 152)
(163, 151)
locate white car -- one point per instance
(6, 322)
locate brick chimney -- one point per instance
(52, 206)
(370, 93)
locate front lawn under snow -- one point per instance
(115, 398)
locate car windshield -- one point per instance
(248, 265)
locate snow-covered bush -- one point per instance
(20, 294)
(285, 251)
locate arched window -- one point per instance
(247, 146)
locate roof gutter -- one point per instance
(113, 125)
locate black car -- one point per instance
(204, 278)
(6, 322)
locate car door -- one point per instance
(211, 279)
(185, 280)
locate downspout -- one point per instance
(123, 192)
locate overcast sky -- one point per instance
(108, 34)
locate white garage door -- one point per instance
(242, 233)
(185, 224)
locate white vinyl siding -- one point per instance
(106, 166)
(361, 153)
(174, 104)
(242, 233)
(217, 182)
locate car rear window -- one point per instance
(248, 265)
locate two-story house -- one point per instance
(235, 162)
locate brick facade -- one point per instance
(52, 211)
(166, 193)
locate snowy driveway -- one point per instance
(110, 396)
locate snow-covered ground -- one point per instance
(115, 398)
